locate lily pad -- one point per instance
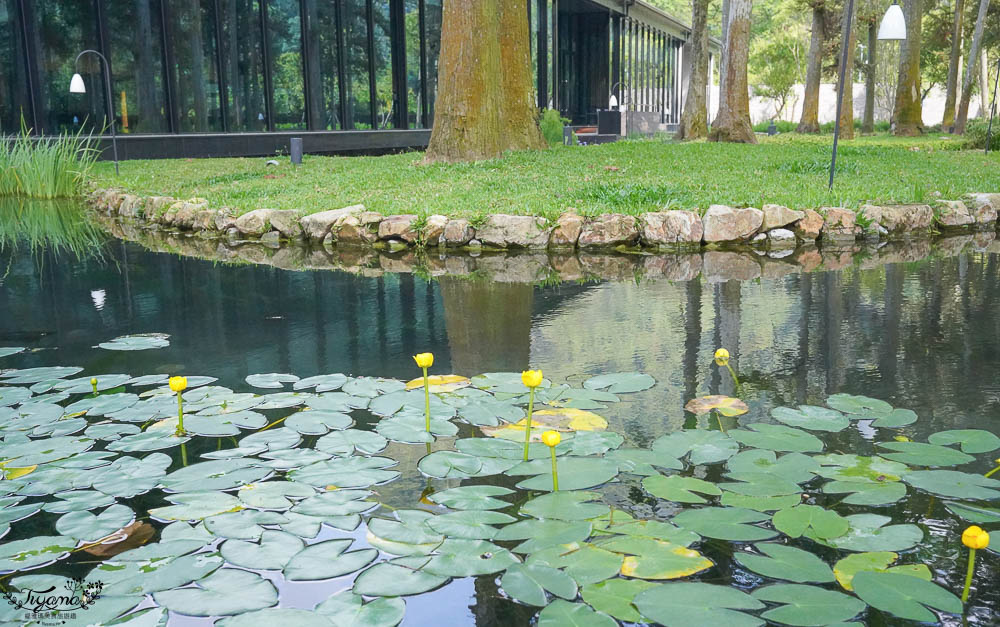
(242, 525)
(725, 523)
(646, 558)
(6, 351)
(470, 525)
(458, 557)
(406, 535)
(327, 560)
(871, 532)
(701, 446)
(440, 383)
(394, 579)
(691, 604)
(867, 492)
(87, 527)
(954, 484)
(528, 583)
(36, 375)
(777, 438)
(473, 497)
(615, 596)
(905, 596)
(136, 342)
(543, 534)
(276, 616)
(272, 552)
(321, 383)
(449, 465)
(860, 407)
(564, 420)
(196, 506)
(565, 505)
(747, 465)
(349, 441)
(347, 472)
(274, 495)
(644, 462)
(807, 605)
(812, 418)
(318, 421)
(575, 473)
(346, 609)
(585, 563)
(223, 593)
(725, 405)
(679, 489)
(620, 382)
(33, 552)
(273, 380)
(920, 454)
(796, 521)
(560, 613)
(786, 562)
(972, 441)
(975, 513)
(879, 562)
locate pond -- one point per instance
(923, 336)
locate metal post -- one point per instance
(107, 87)
(846, 42)
(993, 109)
(295, 150)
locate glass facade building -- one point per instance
(186, 69)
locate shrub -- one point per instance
(552, 126)
(45, 168)
(975, 135)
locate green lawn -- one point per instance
(626, 177)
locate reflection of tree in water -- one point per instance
(489, 325)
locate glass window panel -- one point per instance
(415, 107)
(285, 39)
(355, 33)
(383, 64)
(195, 73)
(243, 65)
(432, 39)
(324, 79)
(61, 30)
(137, 66)
(13, 82)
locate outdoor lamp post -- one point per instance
(892, 27)
(76, 86)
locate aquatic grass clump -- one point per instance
(58, 225)
(49, 167)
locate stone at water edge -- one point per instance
(609, 229)
(809, 227)
(672, 227)
(839, 224)
(984, 207)
(507, 231)
(953, 214)
(777, 216)
(254, 223)
(399, 227)
(567, 231)
(457, 232)
(316, 226)
(781, 238)
(350, 232)
(900, 218)
(725, 224)
(434, 229)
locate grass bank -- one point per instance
(625, 177)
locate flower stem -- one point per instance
(718, 417)
(427, 402)
(555, 472)
(992, 472)
(736, 380)
(527, 426)
(180, 414)
(968, 575)
(184, 454)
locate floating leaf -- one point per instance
(954, 484)
(222, 474)
(349, 441)
(490, 412)
(472, 497)
(905, 596)
(347, 472)
(276, 616)
(394, 579)
(860, 407)
(407, 535)
(646, 558)
(458, 557)
(575, 473)
(724, 523)
(564, 420)
(975, 513)
(33, 552)
(691, 604)
(704, 447)
(759, 503)
(327, 560)
(920, 454)
(321, 383)
(440, 383)
(127, 477)
(761, 484)
(565, 505)
(620, 382)
(411, 429)
(336, 503)
(786, 562)
(896, 418)
(818, 522)
(725, 405)
(318, 421)
(747, 465)
(585, 563)
(195, 506)
(449, 465)
(807, 605)
(812, 418)
(347, 609)
(560, 613)
(271, 380)
(136, 342)
(10, 350)
(846, 467)
(271, 553)
(470, 525)
(36, 375)
(274, 495)
(878, 561)
(528, 583)
(867, 492)
(614, 597)
(971, 440)
(87, 527)
(225, 592)
(777, 438)
(542, 534)
(679, 489)
(242, 525)
(871, 532)
(644, 462)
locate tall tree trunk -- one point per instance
(970, 70)
(868, 125)
(694, 118)
(484, 101)
(723, 55)
(809, 123)
(954, 66)
(984, 81)
(907, 110)
(849, 38)
(732, 124)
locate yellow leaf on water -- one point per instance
(725, 405)
(564, 420)
(440, 383)
(14, 473)
(666, 561)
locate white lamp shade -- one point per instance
(76, 85)
(613, 102)
(893, 26)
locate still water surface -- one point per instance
(923, 335)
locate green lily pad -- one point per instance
(450, 465)
(647, 558)
(615, 596)
(921, 454)
(136, 342)
(560, 613)
(35, 375)
(620, 382)
(585, 563)
(347, 472)
(690, 604)
(127, 476)
(110, 432)
(542, 534)
(87, 527)
(679, 489)
(395, 579)
(33, 552)
(701, 446)
(867, 492)
(846, 467)
(272, 552)
(972, 441)
(759, 503)
(411, 429)
(349, 441)
(221, 474)
(905, 596)
(566, 505)
(786, 562)
(242, 525)
(761, 484)
(327, 560)
(458, 557)
(954, 484)
(490, 412)
(860, 407)
(622, 524)
(318, 421)
(725, 523)
(274, 495)
(812, 418)
(777, 438)
(470, 524)
(877, 561)
(154, 575)
(276, 616)
(575, 473)
(528, 583)
(346, 609)
(407, 535)
(271, 380)
(472, 497)
(321, 383)
(643, 462)
(78, 501)
(223, 593)
(151, 440)
(335, 504)
(818, 522)
(195, 506)
(807, 605)
(896, 418)
(871, 532)
(975, 513)
(6, 351)
(748, 465)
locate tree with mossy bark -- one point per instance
(970, 70)
(484, 101)
(694, 118)
(732, 124)
(809, 122)
(907, 111)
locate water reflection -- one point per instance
(48, 225)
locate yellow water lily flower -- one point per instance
(975, 537)
(551, 438)
(178, 384)
(531, 378)
(722, 357)
(424, 360)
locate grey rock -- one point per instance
(777, 216)
(458, 232)
(900, 218)
(224, 220)
(984, 207)
(260, 221)
(399, 227)
(662, 228)
(810, 226)
(507, 231)
(287, 223)
(953, 214)
(434, 229)
(781, 238)
(204, 220)
(759, 239)
(316, 226)
(608, 230)
(271, 239)
(839, 224)
(725, 224)
(567, 231)
(350, 232)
